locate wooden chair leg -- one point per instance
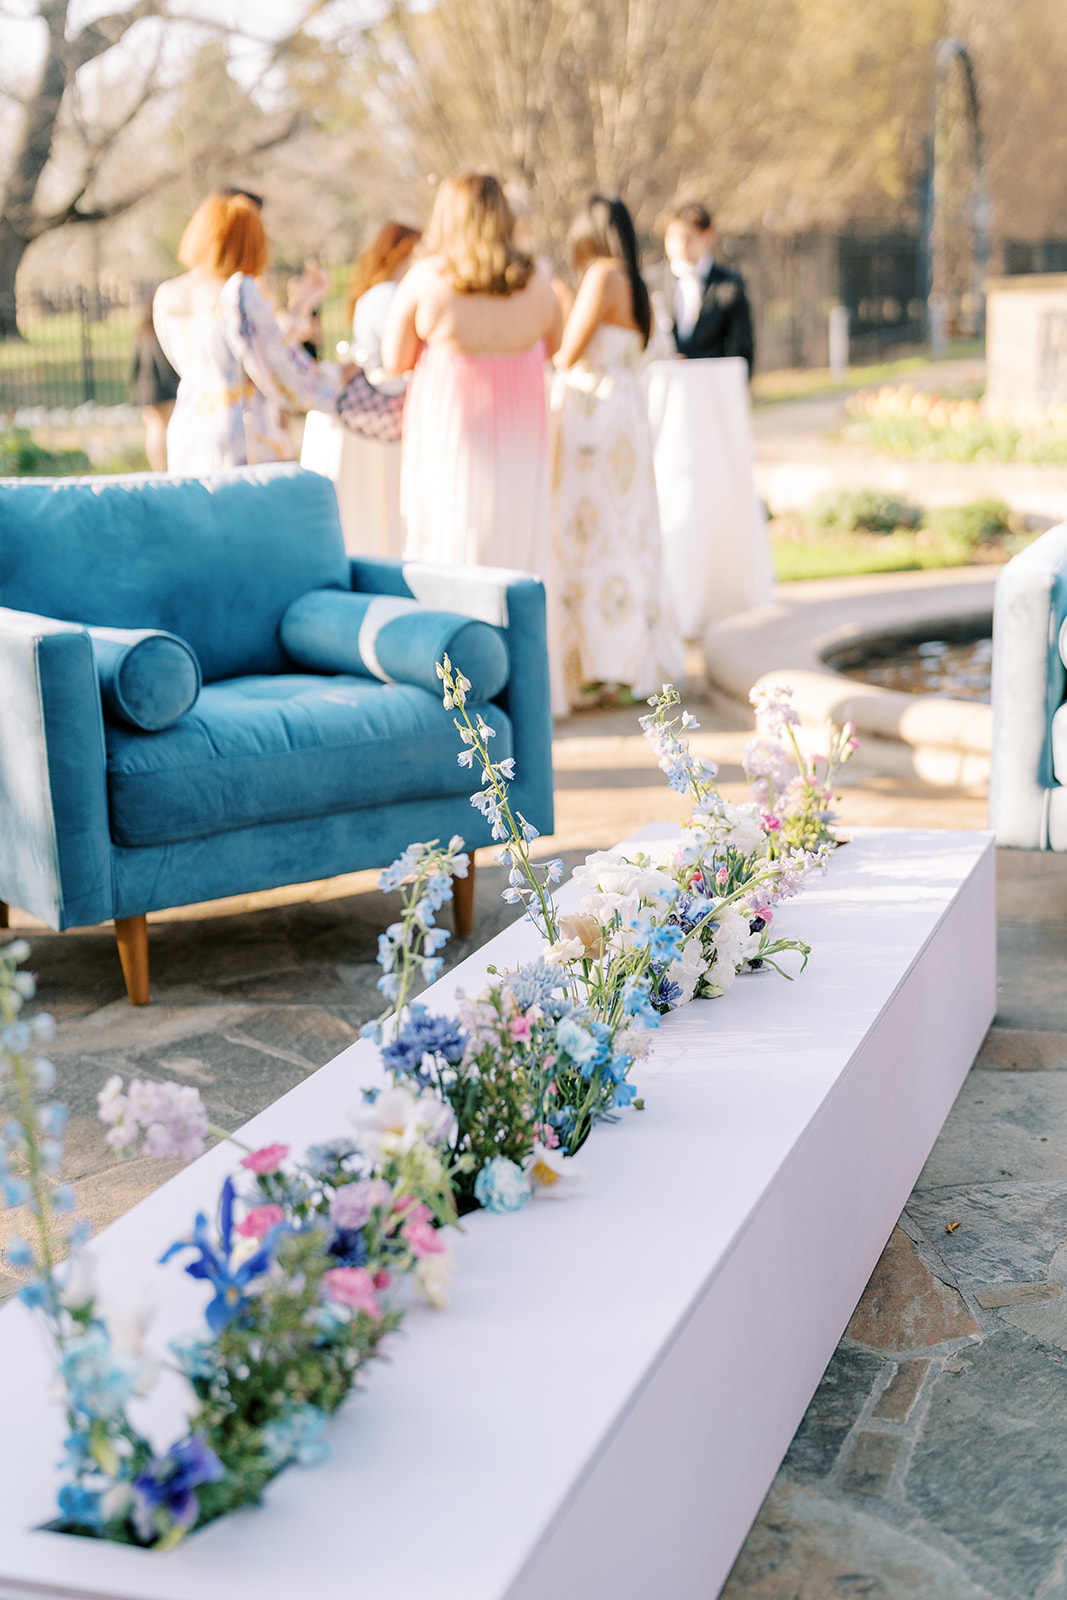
(463, 902)
(132, 936)
(5, 918)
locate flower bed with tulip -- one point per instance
(306, 1259)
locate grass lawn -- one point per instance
(771, 388)
(801, 552)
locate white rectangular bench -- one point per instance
(604, 1405)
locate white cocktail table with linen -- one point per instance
(716, 556)
(606, 1401)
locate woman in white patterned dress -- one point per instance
(238, 371)
(618, 637)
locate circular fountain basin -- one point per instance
(819, 637)
(957, 665)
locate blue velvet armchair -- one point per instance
(201, 696)
(1028, 769)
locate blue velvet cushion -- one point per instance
(146, 679)
(214, 560)
(393, 640)
(270, 749)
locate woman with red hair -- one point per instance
(238, 371)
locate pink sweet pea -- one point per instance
(771, 823)
(422, 1239)
(353, 1287)
(259, 1221)
(267, 1160)
(520, 1027)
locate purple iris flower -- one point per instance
(169, 1483)
(228, 1282)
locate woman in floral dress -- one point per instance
(239, 372)
(618, 637)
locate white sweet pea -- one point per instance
(687, 971)
(734, 945)
(554, 1176)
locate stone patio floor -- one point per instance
(931, 1462)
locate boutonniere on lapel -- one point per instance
(725, 293)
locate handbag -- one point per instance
(366, 410)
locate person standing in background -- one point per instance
(239, 373)
(474, 322)
(705, 303)
(154, 387)
(359, 448)
(617, 636)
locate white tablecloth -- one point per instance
(715, 552)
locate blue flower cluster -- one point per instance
(166, 1489)
(424, 1034)
(590, 1045)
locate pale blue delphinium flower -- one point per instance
(501, 1186)
(98, 1381)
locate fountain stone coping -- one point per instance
(939, 740)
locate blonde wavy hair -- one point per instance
(472, 227)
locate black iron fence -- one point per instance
(78, 342)
(795, 280)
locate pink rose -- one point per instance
(259, 1221)
(520, 1028)
(353, 1287)
(267, 1160)
(422, 1239)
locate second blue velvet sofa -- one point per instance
(203, 696)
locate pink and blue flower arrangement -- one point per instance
(305, 1260)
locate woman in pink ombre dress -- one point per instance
(476, 320)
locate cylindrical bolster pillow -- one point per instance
(394, 640)
(147, 679)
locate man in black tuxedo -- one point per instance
(708, 307)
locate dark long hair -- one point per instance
(604, 227)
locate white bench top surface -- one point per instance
(448, 1467)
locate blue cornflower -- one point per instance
(349, 1247)
(666, 993)
(213, 1264)
(424, 1034)
(298, 1434)
(169, 1483)
(322, 1160)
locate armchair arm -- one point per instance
(515, 602)
(1028, 687)
(55, 845)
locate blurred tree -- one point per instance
(88, 142)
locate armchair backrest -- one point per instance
(214, 560)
